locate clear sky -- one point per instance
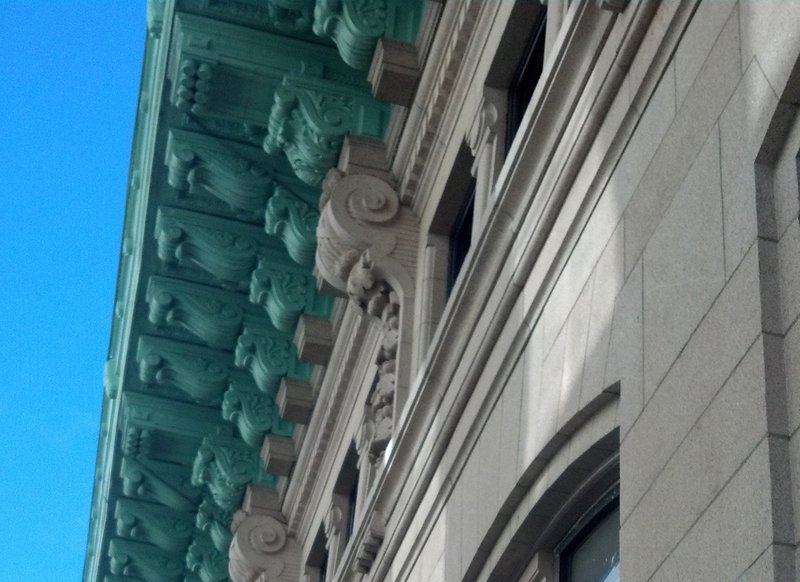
(69, 79)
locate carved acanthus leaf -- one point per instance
(310, 118)
(226, 249)
(215, 522)
(199, 372)
(165, 483)
(354, 25)
(286, 294)
(208, 562)
(226, 466)
(212, 315)
(294, 221)
(253, 411)
(129, 558)
(269, 355)
(166, 528)
(233, 173)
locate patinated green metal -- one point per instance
(244, 106)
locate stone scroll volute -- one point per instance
(366, 239)
(262, 550)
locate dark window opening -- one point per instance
(318, 555)
(525, 79)
(347, 486)
(351, 510)
(461, 237)
(591, 551)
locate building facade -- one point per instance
(466, 290)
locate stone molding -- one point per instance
(467, 318)
(262, 549)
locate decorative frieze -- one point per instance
(199, 372)
(212, 315)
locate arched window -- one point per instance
(590, 552)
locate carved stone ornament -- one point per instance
(371, 543)
(262, 550)
(236, 174)
(354, 26)
(366, 240)
(309, 119)
(227, 250)
(165, 483)
(212, 315)
(204, 559)
(199, 372)
(227, 466)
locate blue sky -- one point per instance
(69, 79)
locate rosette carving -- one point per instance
(262, 549)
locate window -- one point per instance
(590, 553)
(461, 237)
(317, 561)
(346, 488)
(526, 77)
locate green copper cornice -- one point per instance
(243, 108)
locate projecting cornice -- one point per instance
(243, 110)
